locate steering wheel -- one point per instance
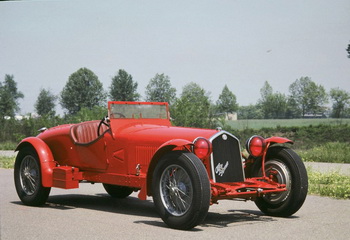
(103, 121)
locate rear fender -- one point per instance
(47, 162)
(163, 149)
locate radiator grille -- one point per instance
(226, 160)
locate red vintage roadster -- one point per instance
(185, 170)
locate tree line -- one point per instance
(83, 92)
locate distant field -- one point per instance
(272, 123)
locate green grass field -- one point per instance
(272, 123)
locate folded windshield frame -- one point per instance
(138, 110)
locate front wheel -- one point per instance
(181, 190)
(27, 176)
(284, 166)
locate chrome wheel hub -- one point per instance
(279, 173)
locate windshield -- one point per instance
(138, 110)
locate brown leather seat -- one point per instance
(86, 132)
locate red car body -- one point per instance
(125, 150)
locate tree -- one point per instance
(273, 105)
(348, 50)
(9, 96)
(83, 90)
(318, 98)
(159, 89)
(266, 91)
(227, 102)
(250, 112)
(86, 114)
(341, 102)
(45, 104)
(192, 109)
(123, 88)
(307, 96)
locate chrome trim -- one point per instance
(43, 129)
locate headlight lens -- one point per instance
(201, 147)
(256, 146)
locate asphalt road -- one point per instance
(89, 213)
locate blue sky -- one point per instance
(213, 43)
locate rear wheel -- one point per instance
(284, 166)
(117, 191)
(27, 176)
(181, 190)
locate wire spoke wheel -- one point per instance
(176, 190)
(29, 175)
(181, 190)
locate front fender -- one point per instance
(163, 149)
(270, 142)
(281, 140)
(47, 162)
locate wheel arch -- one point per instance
(161, 151)
(46, 159)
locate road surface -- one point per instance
(89, 213)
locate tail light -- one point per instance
(201, 147)
(256, 146)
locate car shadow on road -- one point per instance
(100, 202)
(103, 202)
(235, 217)
(134, 206)
(223, 220)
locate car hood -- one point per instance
(163, 134)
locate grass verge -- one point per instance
(8, 145)
(331, 184)
(7, 162)
(334, 152)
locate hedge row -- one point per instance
(305, 137)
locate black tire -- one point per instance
(181, 190)
(286, 167)
(117, 191)
(27, 176)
